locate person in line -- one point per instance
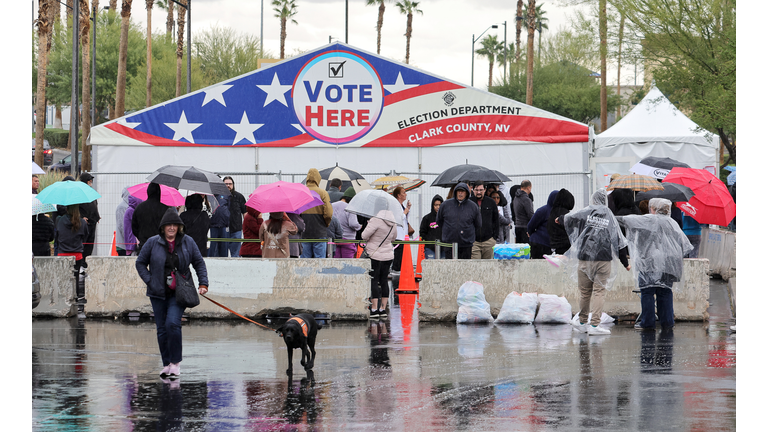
(643, 206)
(128, 237)
(596, 241)
(334, 190)
(430, 231)
(400, 194)
(89, 212)
(147, 216)
(61, 211)
(316, 219)
(522, 206)
(275, 235)
(558, 237)
(349, 224)
(219, 227)
(624, 203)
(120, 222)
(505, 219)
(333, 232)
(537, 228)
(35, 184)
(42, 234)
(163, 253)
(196, 222)
(378, 236)
(657, 246)
(236, 212)
(71, 232)
(692, 231)
(296, 247)
(485, 237)
(251, 228)
(459, 219)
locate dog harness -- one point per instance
(302, 324)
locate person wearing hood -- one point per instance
(485, 237)
(147, 216)
(129, 239)
(623, 203)
(316, 219)
(196, 222)
(349, 224)
(537, 229)
(430, 231)
(657, 246)
(596, 241)
(159, 256)
(120, 222)
(558, 238)
(275, 235)
(459, 219)
(378, 236)
(522, 207)
(251, 227)
(505, 218)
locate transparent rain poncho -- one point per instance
(595, 239)
(656, 247)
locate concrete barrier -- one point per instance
(441, 280)
(57, 286)
(719, 247)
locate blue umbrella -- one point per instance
(68, 193)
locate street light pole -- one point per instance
(472, 81)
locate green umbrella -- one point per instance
(68, 193)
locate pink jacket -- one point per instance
(376, 232)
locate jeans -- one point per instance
(663, 307)
(218, 248)
(168, 323)
(465, 252)
(234, 247)
(430, 254)
(314, 250)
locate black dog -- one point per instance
(300, 331)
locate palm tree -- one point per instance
(518, 29)
(150, 4)
(540, 24)
(531, 35)
(407, 8)
(284, 9)
(43, 34)
(491, 47)
(85, 28)
(167, 5)
(380, 22)
(122, 59)
(181, 14)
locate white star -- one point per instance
(298, 126)
(275, 91)
(216, 94)
(183, 129)
(399, 85)
(124, 122)
(244, 130)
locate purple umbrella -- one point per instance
(316, 201)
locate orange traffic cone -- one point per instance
(114, 243)
(407, 306)
(407, 278)
(419, 257)
(359, 251)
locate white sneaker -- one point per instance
(597, 331)
(580, 328)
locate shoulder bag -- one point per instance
(366, 255)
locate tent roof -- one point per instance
(655, 119)
(338, 95)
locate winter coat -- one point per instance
(537, 226)
(150, 263)
(348, 221)
(562, 204)
(505, 219)
(42, 235)
(428, 229)
(299, 222)
(334, 229)
(317, 219)
(196, 222)
(378, 236)
(251, 226)
(277, 246)
(129, 239)
(677, 215)
(70, 242)
(221, 215)
(490, 216)
(334, 195)
(148, 214)
(522, 206)
(459, 219)
(236, 211)
(120, 219)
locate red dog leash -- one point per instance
(230, 310)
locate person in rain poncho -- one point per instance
(119, 219)
(596, 242)
(657, 245)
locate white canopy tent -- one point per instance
(655, 127)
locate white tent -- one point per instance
(653, 128)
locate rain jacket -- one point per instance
(251, 226)
(537, 226)
(70, 242)
(429, 230)
(277, 246)
(196, 222)
(378, 236)
(148, 214)
(459, 219)
(317, 219)
(563, 203)
(522, 207)
(129, 239)
(348, 221)
(150, 263)
(119, 219)
(42, 235)
(490, 218)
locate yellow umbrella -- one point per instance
(389, 183)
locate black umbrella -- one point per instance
(190, 179)
(347, 176)
(672, 191)
(448, 178)
(482, 174)
(656, 167)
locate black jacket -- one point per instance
(522, 207)
(459, 219)
(426, 231)
(70, 242)
(196, 222)
(489, 213)
(236, 211)
(563, 204)
(148, 214)
(42, 235)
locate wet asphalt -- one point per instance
(391, 374)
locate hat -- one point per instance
(349, 193)
(86, 177)
(171, 216)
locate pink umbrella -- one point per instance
(279, 196)
(168, 195)
(316, 201)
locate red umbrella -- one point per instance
(712, 203)
(279, 196)
(168, 195)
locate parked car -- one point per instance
(47, 152)
(36, 296)
(65, 163)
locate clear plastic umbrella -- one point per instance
(369, 202)
(39, 207)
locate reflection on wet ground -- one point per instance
(393, 374)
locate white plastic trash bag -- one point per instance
(553, 309)
(604, 319)
(518, 308)
(472, 305)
